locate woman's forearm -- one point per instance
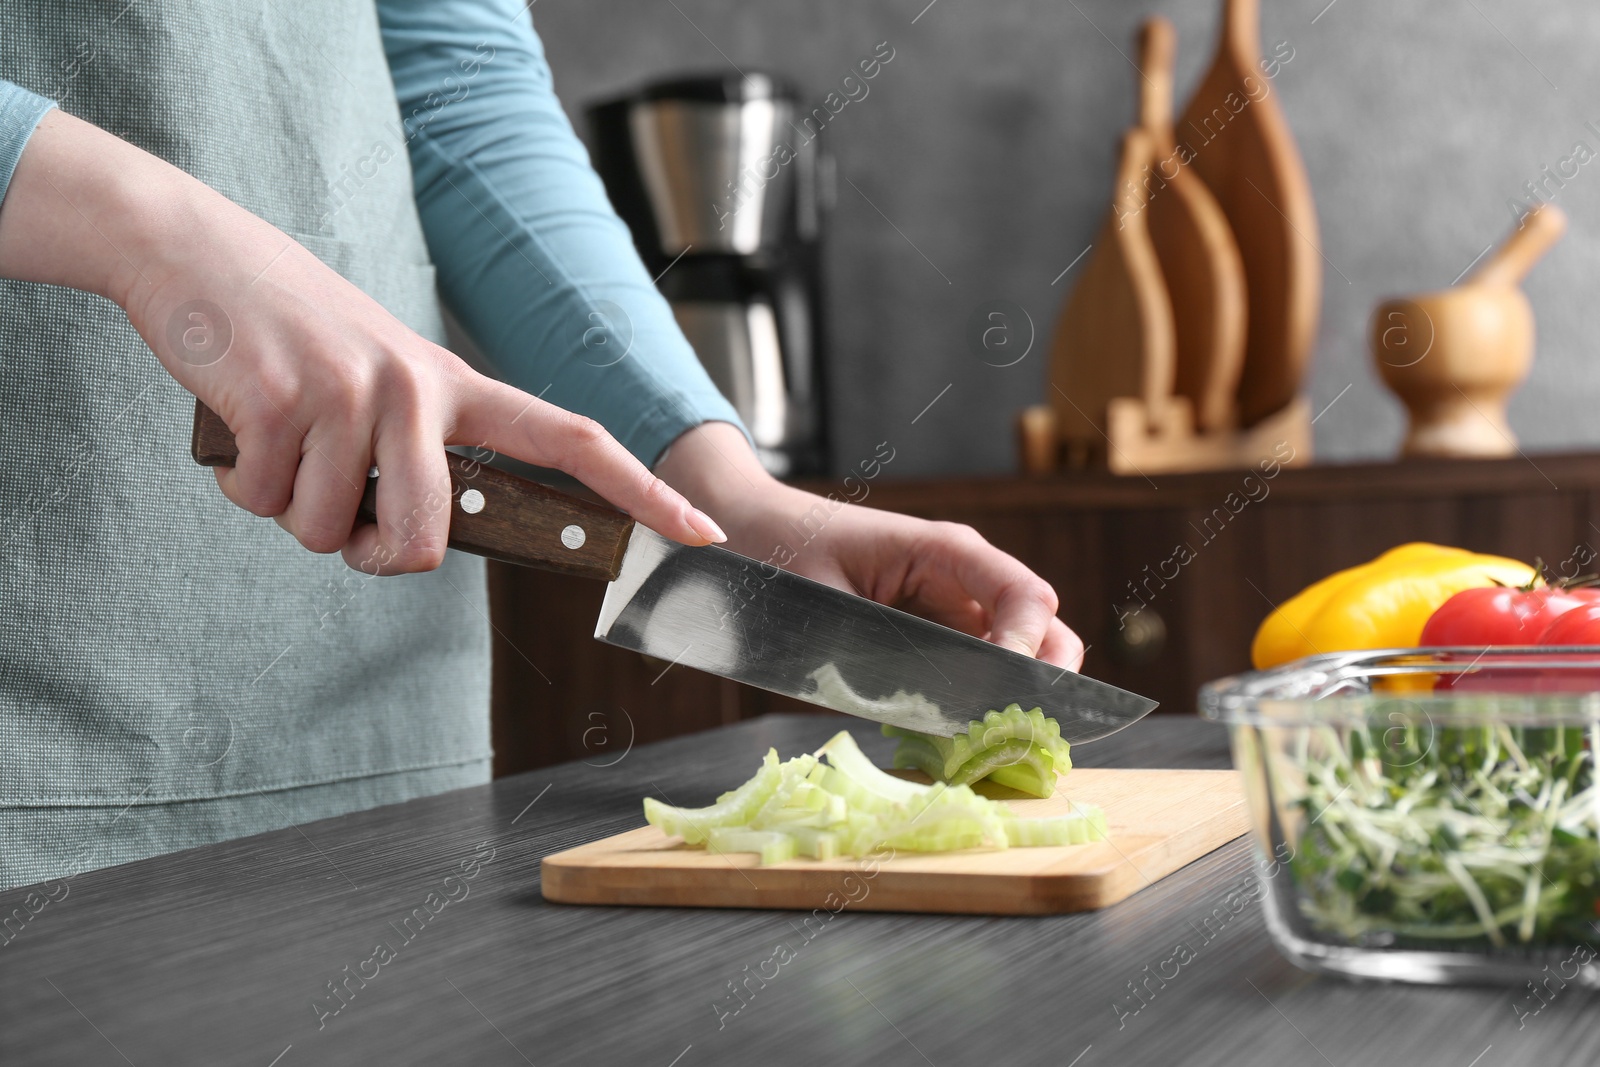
(531, 258)
(81, 208)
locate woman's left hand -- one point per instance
(940, 570)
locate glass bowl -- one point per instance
(1426, 815)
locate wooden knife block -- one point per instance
(1137, 444)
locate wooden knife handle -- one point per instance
(492, 513)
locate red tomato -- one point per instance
(1580, 626)
(1492, 671)
(1504, 616)
(1501, 615)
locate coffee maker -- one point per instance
(725, 198)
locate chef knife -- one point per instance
(738, 618)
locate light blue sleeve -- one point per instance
(532, 259)
(20, 112)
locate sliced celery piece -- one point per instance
(846, 756)
(857, 797)
(772, 845)
(792, 778)
(1026, 777)
(1001, 740)
(944, 828)
(940, 837)
(693, 824)
(818, 844)
(1011, 754)
(917, 752)
(995, 728)
(1087, 824)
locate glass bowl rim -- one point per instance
(1321, 690)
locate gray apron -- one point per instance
(173, 670)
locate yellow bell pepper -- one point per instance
(1381, 604)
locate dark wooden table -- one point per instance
(224, 955)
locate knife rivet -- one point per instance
(472, 501)
(573, 537)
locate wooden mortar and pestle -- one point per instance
(1454, 357)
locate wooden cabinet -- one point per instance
(1206, 554)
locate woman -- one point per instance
(261, 195)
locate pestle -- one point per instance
(1454, 357)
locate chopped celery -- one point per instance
(848, 807)
(1016, 753)
(1021, 749)
(1081, 827)
(692, 824)
(1026, 778)
(774, 846)
(818, 844)
(846, 756)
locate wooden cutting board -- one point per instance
(1243, 149)
(1160, 820)
(1115, 337)
(1195, 246)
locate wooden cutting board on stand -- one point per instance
(1244, 151)
(1199, 258)
(1115, 338)
(1160, 820)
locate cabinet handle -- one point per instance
(1139, 636)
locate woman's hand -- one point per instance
(317, 381)
(939, 570)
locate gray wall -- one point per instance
(988, 140)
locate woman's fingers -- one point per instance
(328, 486)
(967, 615)
(414, 498)
(1061, 646)
(494, 415)
(1023, 611)
(262, 479)
(1020, 603)
(313, 487)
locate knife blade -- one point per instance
(752, 622)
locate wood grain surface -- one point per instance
(1115, 337)
(1199, 257)
(1244, 150)
(217, 956)
(1160, 820)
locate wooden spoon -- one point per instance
(1241, 146)
(1199, 257)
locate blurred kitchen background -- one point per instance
(979, 165)
(977, 169)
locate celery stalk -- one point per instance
(1022, 749)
